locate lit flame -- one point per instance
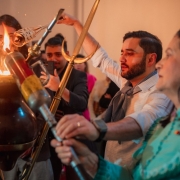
(4, 73)
(6, 39)
(3, 70)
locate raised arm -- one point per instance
(89, 44)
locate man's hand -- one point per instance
(53, 82)
(67, 19)
(88, 159)
(90, 45)
(76, 126)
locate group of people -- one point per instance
(141, 123)
(142, 111)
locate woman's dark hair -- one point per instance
(86, 69)
(148, 42)
(57, 40)
(178, 34)
(10, 21)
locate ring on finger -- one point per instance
(78, 124)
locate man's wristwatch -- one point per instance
(101, 127)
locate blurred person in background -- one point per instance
(90, 79)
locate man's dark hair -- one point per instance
(10, 21)
(148, 42)
(80, 56)
(178, 35)
(57, 40)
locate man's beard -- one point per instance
(136, 70)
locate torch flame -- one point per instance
(6, 39)
(3, 70)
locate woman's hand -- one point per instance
(67, 19)
(64, 151)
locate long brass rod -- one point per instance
(57, 98)
(38, 146)
(85, 29)
(40, 141)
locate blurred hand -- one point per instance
(67, 19)
(76, 126)
(88, 159)
(53, 82)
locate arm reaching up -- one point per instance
(89, 44)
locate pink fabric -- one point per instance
(90, 83)
(63, 173)
(86, 114)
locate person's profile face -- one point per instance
(10, 31)
(169, 68)
(132, 60)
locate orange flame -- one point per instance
(5, 73)
(6, 44)
(6, 39)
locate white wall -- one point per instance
(31, 13)
(113, 19)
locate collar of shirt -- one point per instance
(146, 85)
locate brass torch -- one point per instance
(72, 59)
(25, 35)
(57, 98)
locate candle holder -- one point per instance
(18, 125)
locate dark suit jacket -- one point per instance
(77, 85)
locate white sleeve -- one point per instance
(157, 105)
(108, 66)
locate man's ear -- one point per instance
(151, 59)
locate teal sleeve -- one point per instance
(110, 171)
